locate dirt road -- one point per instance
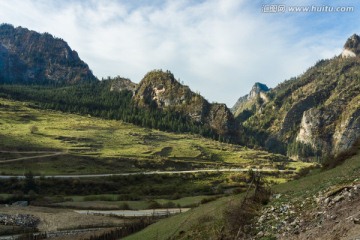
(46, 154)
(147, 173)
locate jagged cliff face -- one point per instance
(29, 57)
(251, 101)
(318, 113)
(352, 47)
(160, 89)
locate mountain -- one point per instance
(159, 89)
(119, 84)
(248, 102)
(308, 117)
(316, 114)
(29, 57)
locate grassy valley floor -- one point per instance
(54, 143)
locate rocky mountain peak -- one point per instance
(257, 88)
(247, 101)
(160, 89)
(30, 57)
(351, 47)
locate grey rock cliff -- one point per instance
(163, 90)
(29, 57)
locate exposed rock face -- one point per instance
(259, 90)
(28, 57)
(346, 53)
(119, 84)
(311, 122)
(164, 91)
(353, 45)
(347, 132)
(221, 118)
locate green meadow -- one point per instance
(73, 144)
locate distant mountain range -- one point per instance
(309, 117)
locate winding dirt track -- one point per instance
(50, 154)
(145, 173)
(46, 154)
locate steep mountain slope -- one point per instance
(160, 89)
(316, 114)
(29, 57)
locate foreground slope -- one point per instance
(323, 205)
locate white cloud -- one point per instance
(219, 48)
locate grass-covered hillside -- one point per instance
(49, 142)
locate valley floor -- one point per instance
(53, 219)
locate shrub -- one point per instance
(34, 129)
(124, 206)
(154, 204)
(208, 199)
(169, 205)
(239, 215)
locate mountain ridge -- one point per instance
(30, 57)
(308, 117)
(315, 115)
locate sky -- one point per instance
(219, 48)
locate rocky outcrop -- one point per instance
(259, 90)
(311, 124)
(119, 84)
(160, 89)
(323, 216)
(23, 220)
(29, 57)
(221, 118)
(346, 53)
(347, 132)
(296, 112)
(352, 46)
